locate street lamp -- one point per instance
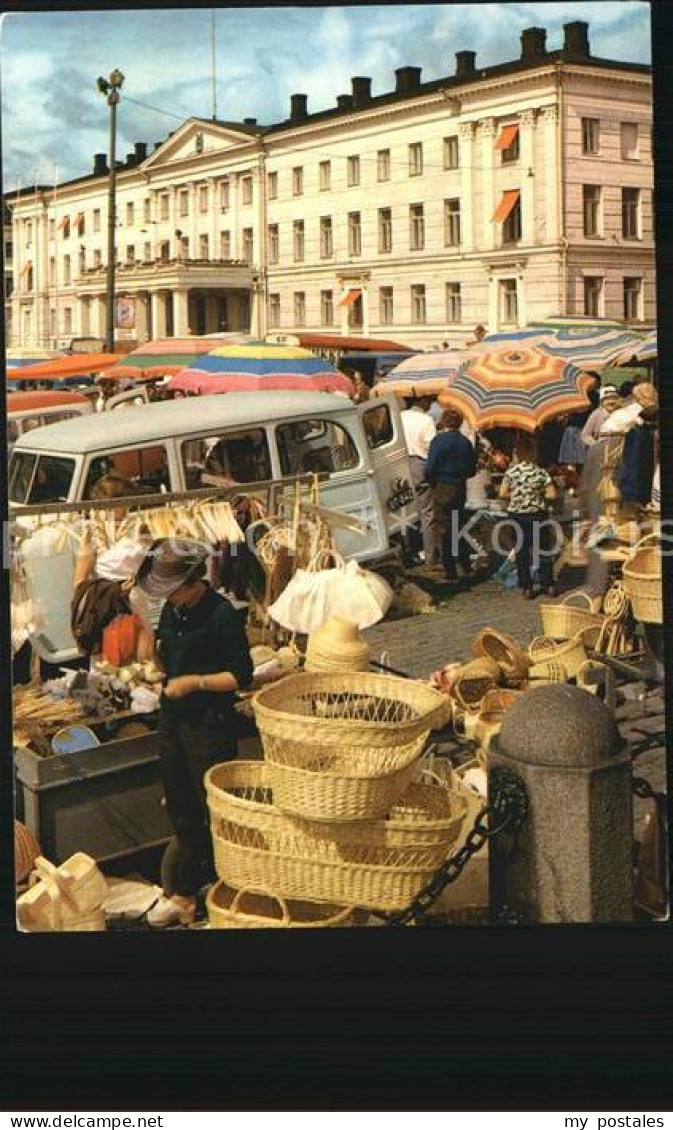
(110, 87)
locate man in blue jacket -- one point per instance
(451, 462)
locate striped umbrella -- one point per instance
(165, 357)
(259, 365)
(590, 347)
(646, 349)
(516, 388)
(423, 374)
(575, 321)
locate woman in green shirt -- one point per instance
(203, 649)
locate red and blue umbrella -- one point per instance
(259, 365)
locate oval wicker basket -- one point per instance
(251, 909)
(512, 661)
(563, 620)
(570, 654)
(642, 580)
(344, 747)
(473, 680)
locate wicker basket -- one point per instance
(549, 671)
(472, 682)
(570, 654)
(512, 661)
(563, 620)
(249, 909)
(344, 747)
(642, 580)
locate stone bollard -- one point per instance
(572, 860)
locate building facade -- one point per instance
(492, 196)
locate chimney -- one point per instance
(250, 121)
(465, 63)
(576, 40)
(100, 164)
(362, 91)
(533, 44)
(157, 144)
(407, 80)
(298, 107)
(345, 101)
(130, 160)
(140, 150)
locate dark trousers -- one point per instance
(187, 749)
(527, 525)
(448, 518)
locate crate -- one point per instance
(104, 801)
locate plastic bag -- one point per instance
(120, 639)
(314, 595)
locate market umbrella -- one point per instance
(516, 388)
(529, 336)
(164, 357)
(571, 321)
(259, 365)
(645, 349)
(74, 365)
(590, 347)
(423, 374)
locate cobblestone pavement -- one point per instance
(419, 644)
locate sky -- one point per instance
(54, 119)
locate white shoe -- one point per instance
(166, 912)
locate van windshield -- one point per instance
(39, 478)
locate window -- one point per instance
(272, 242)
(386, 305)
(246, 190)
(593, 292)
(629, 140)
(299, 307)
(52, 269)
(183, 246)
(238, 457)
(418, 305)
(272, 186)
(352, 171)
(247, 248)
(453, 303)
(130, 253)
(67, 320)
(298, 240)
(356, 312)
(9, 286)
(66, 229)
(591, 207)
(274, 311)
(326, 308)
(225, 245)
(452, 223)
(385, 229)
(203, 198)
(147, 467)
(96, 219)
(511, 228)
(509, 151)
(416, 159)
(183, 199)
(98, 256)
(325, 175)
(297, 180)
(383, 164)
(129, 215)
(52, 322)
(66, 270)
(632, 305)
(630, 210)
(163, 206)
(326, 243)
(315, 445)
(29, 230)
(164, 251)
(224, 195)
(509, 302)
(147, 206)
(39, 478)
(81, 224)
(52, 227)
(354, 234)
(451, 158)
(378, 425)
(147, 254)
(590, 135)
(416, 227)
(203, 246)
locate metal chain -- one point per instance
(508, 811)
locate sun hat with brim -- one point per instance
(168, 564)
(608, 392)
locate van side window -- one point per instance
(145, 467)
(378, 425)
(238, 457)
(315, 445)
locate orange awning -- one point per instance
(507, 137)
(64, 221)
(74, 365)
(79, 220)
(26, 267)
(508, 202)
(350, 298)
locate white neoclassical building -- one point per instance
(492, 196)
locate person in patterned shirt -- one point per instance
(527, 487)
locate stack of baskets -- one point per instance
(337, 812)
(642, 580)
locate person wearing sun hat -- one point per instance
(645, 400)
(203, 650)
(608, 401)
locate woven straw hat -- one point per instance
(337, 646)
